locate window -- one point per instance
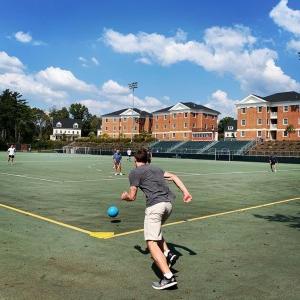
(58, 124)
(194, 115)
(285, 108)
(259, 109)
(243, 110)
(259, 121)
(285, 133)
(205, 116)
(73, 131)
(230, 128)
(185, 115)
(243, 122)
(165, 117)
(185, 125)
(114, 128)
(106, 120)
(156, 117)
(212, 127)
(173, 134)
(165, 135)
(75, 125)
(174, 116)
(174, 125)
(242, 133)
(259, 133)
(124, 119)
(135, 128)
(165, 126)
(106, 128)
(285, 121)
(185, 134)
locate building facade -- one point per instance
(126, 123)
(230, 131)
(274, 117)
(66, 129)
(185, 121)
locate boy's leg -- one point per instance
(158, 256)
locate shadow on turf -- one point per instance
(173, 248)
(295, 221)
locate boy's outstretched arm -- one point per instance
(130, 195)
(187, 197)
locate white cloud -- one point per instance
(286, 18)
(10, 63)
(111, 87)
(23, 37)
(60, 78)
(219, 101)
(293, 45)
(223, 50)
(144, 60)
(80, 58)
(95, 61)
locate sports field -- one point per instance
(237, 239)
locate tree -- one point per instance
(79, 111)
(57, 114)
(16, 119)
(42, 123)
(290, 129)
(223, 123)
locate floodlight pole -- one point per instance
(132, 86)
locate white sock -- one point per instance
(168, 275)
(166, 252)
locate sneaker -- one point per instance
(121, 174)
(116, 174)
(164, 283)
(171, 259)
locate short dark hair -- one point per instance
(142, 155)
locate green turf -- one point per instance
(249, 255)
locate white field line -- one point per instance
(225, 173)
(63, 181)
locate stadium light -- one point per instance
(132, 86)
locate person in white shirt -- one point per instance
(129, 154)
(11, 154)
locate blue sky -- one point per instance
(212, 52)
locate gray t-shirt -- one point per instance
(151, 181)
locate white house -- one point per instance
(66, 129)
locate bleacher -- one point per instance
(235, 147)
(279, 148)
(164, 146)
(191, 147)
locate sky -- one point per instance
(211, 52)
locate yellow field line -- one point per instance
(109, 235)
(44, 219)
(212, 215)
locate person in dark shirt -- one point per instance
(152, 181)
(273, 161)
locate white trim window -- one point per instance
(174, 115)
(58, 124)
(285, 134)
(184, 134)
(243, 122)
(230, 128)
(243, 110)
(185, 114)
(259, 134)
(75, 125)
(185, 125)
(259, 121)
(285, 121)
(173, 135)
(174, 125)
(242, 133)
(165, 117)
(156, 117)
(259, 109)
(285, 108)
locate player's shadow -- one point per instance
(294, 221)
(173, 248)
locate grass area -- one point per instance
(254, 253)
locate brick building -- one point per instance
(185, 121)
(126, 122)
(269, 117)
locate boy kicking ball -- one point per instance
(159, 198)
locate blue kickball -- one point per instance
(112, 211)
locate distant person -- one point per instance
(152, 181)
(273, 161)
(11, 154)
(129, 154)
(117, 158)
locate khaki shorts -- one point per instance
(155, 216)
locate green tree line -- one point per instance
(20, 123)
